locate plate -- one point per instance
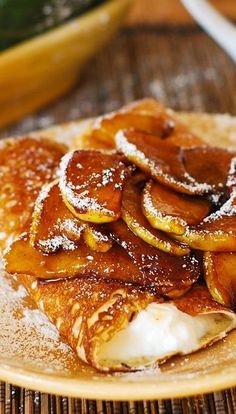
(33, 356)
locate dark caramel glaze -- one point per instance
(149, 268)
(25, 165)
(91, 184)
(169, 275)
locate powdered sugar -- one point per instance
(26, 333)
(53, 244)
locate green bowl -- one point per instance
(37, 71)
(23, 19)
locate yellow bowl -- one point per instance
(40, 70)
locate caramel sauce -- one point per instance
(164, 272)
(151, 268)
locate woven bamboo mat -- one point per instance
(185, 70)
(14, 400)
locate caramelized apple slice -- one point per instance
(91, 184)
(26, 164)
(170, 211)
(216, 232)
(106, 127)
(159, 159)
(96, 238)
(220, 276)
(209, 164)
(145, 115)
(133, 216)
(53, 226)
(170, 275)
(23, 258)
(180, 134)
(163, 273)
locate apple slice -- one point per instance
(170, 275)
(81, 261)
(169, 211)
(210, 165)
(91, 184)
(160, 160)
(164, 274)
(145, 115)
(53, 226)
(96, 238)
(180, 134)
(133, 216)
(106, 127)
(216, 232)
(220, 276)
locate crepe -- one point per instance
(117, 327)
(111, 325)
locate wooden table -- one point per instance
(182, 67)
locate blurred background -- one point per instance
(88, 57)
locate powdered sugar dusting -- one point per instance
(26, 333)
(57, 242)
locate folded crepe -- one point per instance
(111, 325)
(114, 326)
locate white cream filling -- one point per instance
(159, 331)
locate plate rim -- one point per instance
(117, 391)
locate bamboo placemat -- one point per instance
(187, 71)
(14, 400)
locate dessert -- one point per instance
(109, 243)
